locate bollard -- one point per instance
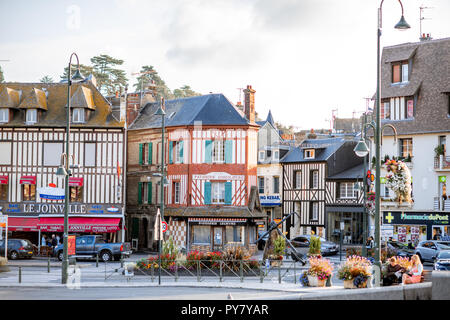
(261, 273)
(153, 271)
(121, 261)
(48, 265)
(96, 262)
(105, 270)
(221, 270)
(198, 270)
(176, 271)
(20, 274)
(295, 274)
(241, 272)
(279, 273)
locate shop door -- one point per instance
(438, 232)
(218, 238)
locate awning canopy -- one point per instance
(28, 180)
(3, 179)
(218, 221)
(77, 224)
(75, 182)
(22, 224)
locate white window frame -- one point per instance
(298, 179)
(315, 211)
(177, 152)
(276, 178)
(315, 179)
(176, 188)
(31, 116)
(261, 155)
(78, 115)
(4, 115)
(405, 72)
(348, 190)
(218, 151)
(408, 147)
(218, 192)
(52, 153)
(261, 179)
(309, 153)
(276, 155)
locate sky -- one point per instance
(304, 58)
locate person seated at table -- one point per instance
(414, 274)
(393, 273)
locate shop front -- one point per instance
(416, 226)
(348, 217)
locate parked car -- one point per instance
(301, 243)
(400, 249)
(17, 249)
(428, 250)
(92, 245)
(442, 261)
(262, 242)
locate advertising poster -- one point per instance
(71, 245)
(402, 234)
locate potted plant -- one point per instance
(355, 272)
(279, 246)
(439, 150)
(319, 271)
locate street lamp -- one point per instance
(401, 25)
(162, 113)
(65, 170)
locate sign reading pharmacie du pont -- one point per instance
(35, 209)
(416, 217)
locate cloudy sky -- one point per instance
(304, 58)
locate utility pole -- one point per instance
(422, 18)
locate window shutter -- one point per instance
(149, 192)
(170, 151)
(208, 151)
(140, 193)
(311, 174)
(180, 148)
(227, 192)
(228, 151)
(207, 192)
(150, 152)
(140, 153)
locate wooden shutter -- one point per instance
(170, 151)
(228, 192)
(228, 151)
(149, 192)
(208, 151)
(207, 192)
(180, 148)
(140, 153)
(396, 73)
(140, 193)
(150, 152)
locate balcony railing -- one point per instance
(442, 162)
(441, 205)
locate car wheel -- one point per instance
(14, 255)
(105, 256)
(60, 255)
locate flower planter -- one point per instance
(348, 284)
(315, 282)
(276, 263)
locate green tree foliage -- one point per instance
(184, 92)
(279, 245)
(314, 245)
(2, 78)
(46, 79)
(144, 81)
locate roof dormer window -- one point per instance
(309, 153)
(78, 115)
(4, 115)
(31, 116)
(400, 72)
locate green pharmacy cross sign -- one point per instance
(443, 179)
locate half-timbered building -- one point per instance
(305, 170)
(32, 139)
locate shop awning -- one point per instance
(220, 221)
(75, 182)
(3, 179)
(22, 224)
(28, 180)
(77, 224)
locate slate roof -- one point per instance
(210, 109)
(324, 149)
(356, 172)
(51, 98)
(268, 119)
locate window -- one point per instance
(76, 194)
(276, 155)
(400, 72)
(28, 192)
(384, 191)
(261, 156)
(399, 108)
(309, 154)
(218, 192)
(218, 151)
(406, 147)
(261, 185)
(89, 154)
(314, 211)
(385, 110)
(78, 115)
(3, 192)
(178, 151)
(276, 184)
(298, 179)
(201, 234)
(176, 192)
(145, 153)
(5, 154)
(4, 115)
(348, 190)
(145, 193)
(269, 153)
(31, 116)
(234, 234)
(52, 153)
(442, 142)
(314, 179)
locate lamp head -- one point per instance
(402, 24)
(77, 76)
(61, 172)
(361, 149)
(160, 112)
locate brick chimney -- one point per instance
(249, 96)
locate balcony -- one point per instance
(387, 202)
(442, 163)
(441, 205)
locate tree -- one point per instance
(46, 79)
(184, 92)
(1, 75)
(162, 90)
(109, 78)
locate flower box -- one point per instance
(314, 281)
(349, 284)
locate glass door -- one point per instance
(218, 238)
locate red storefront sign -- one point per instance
(28, 180)
(76, 224)
(75, 182)
(23, 224)
(3, 179)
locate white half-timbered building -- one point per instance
(32, 139)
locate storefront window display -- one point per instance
(235, 234)
(202, 234)
(404, 233)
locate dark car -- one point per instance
(262, 242)
(442, 261)
(17, 248)
(400, 249)
(301, 243)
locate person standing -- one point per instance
(58, 239)
(44, 240)
(54, 241)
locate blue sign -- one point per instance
(270, 200)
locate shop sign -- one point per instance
(415, 218)
(58, 208)
(270, 200)
(443, 179)
(218, 176)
